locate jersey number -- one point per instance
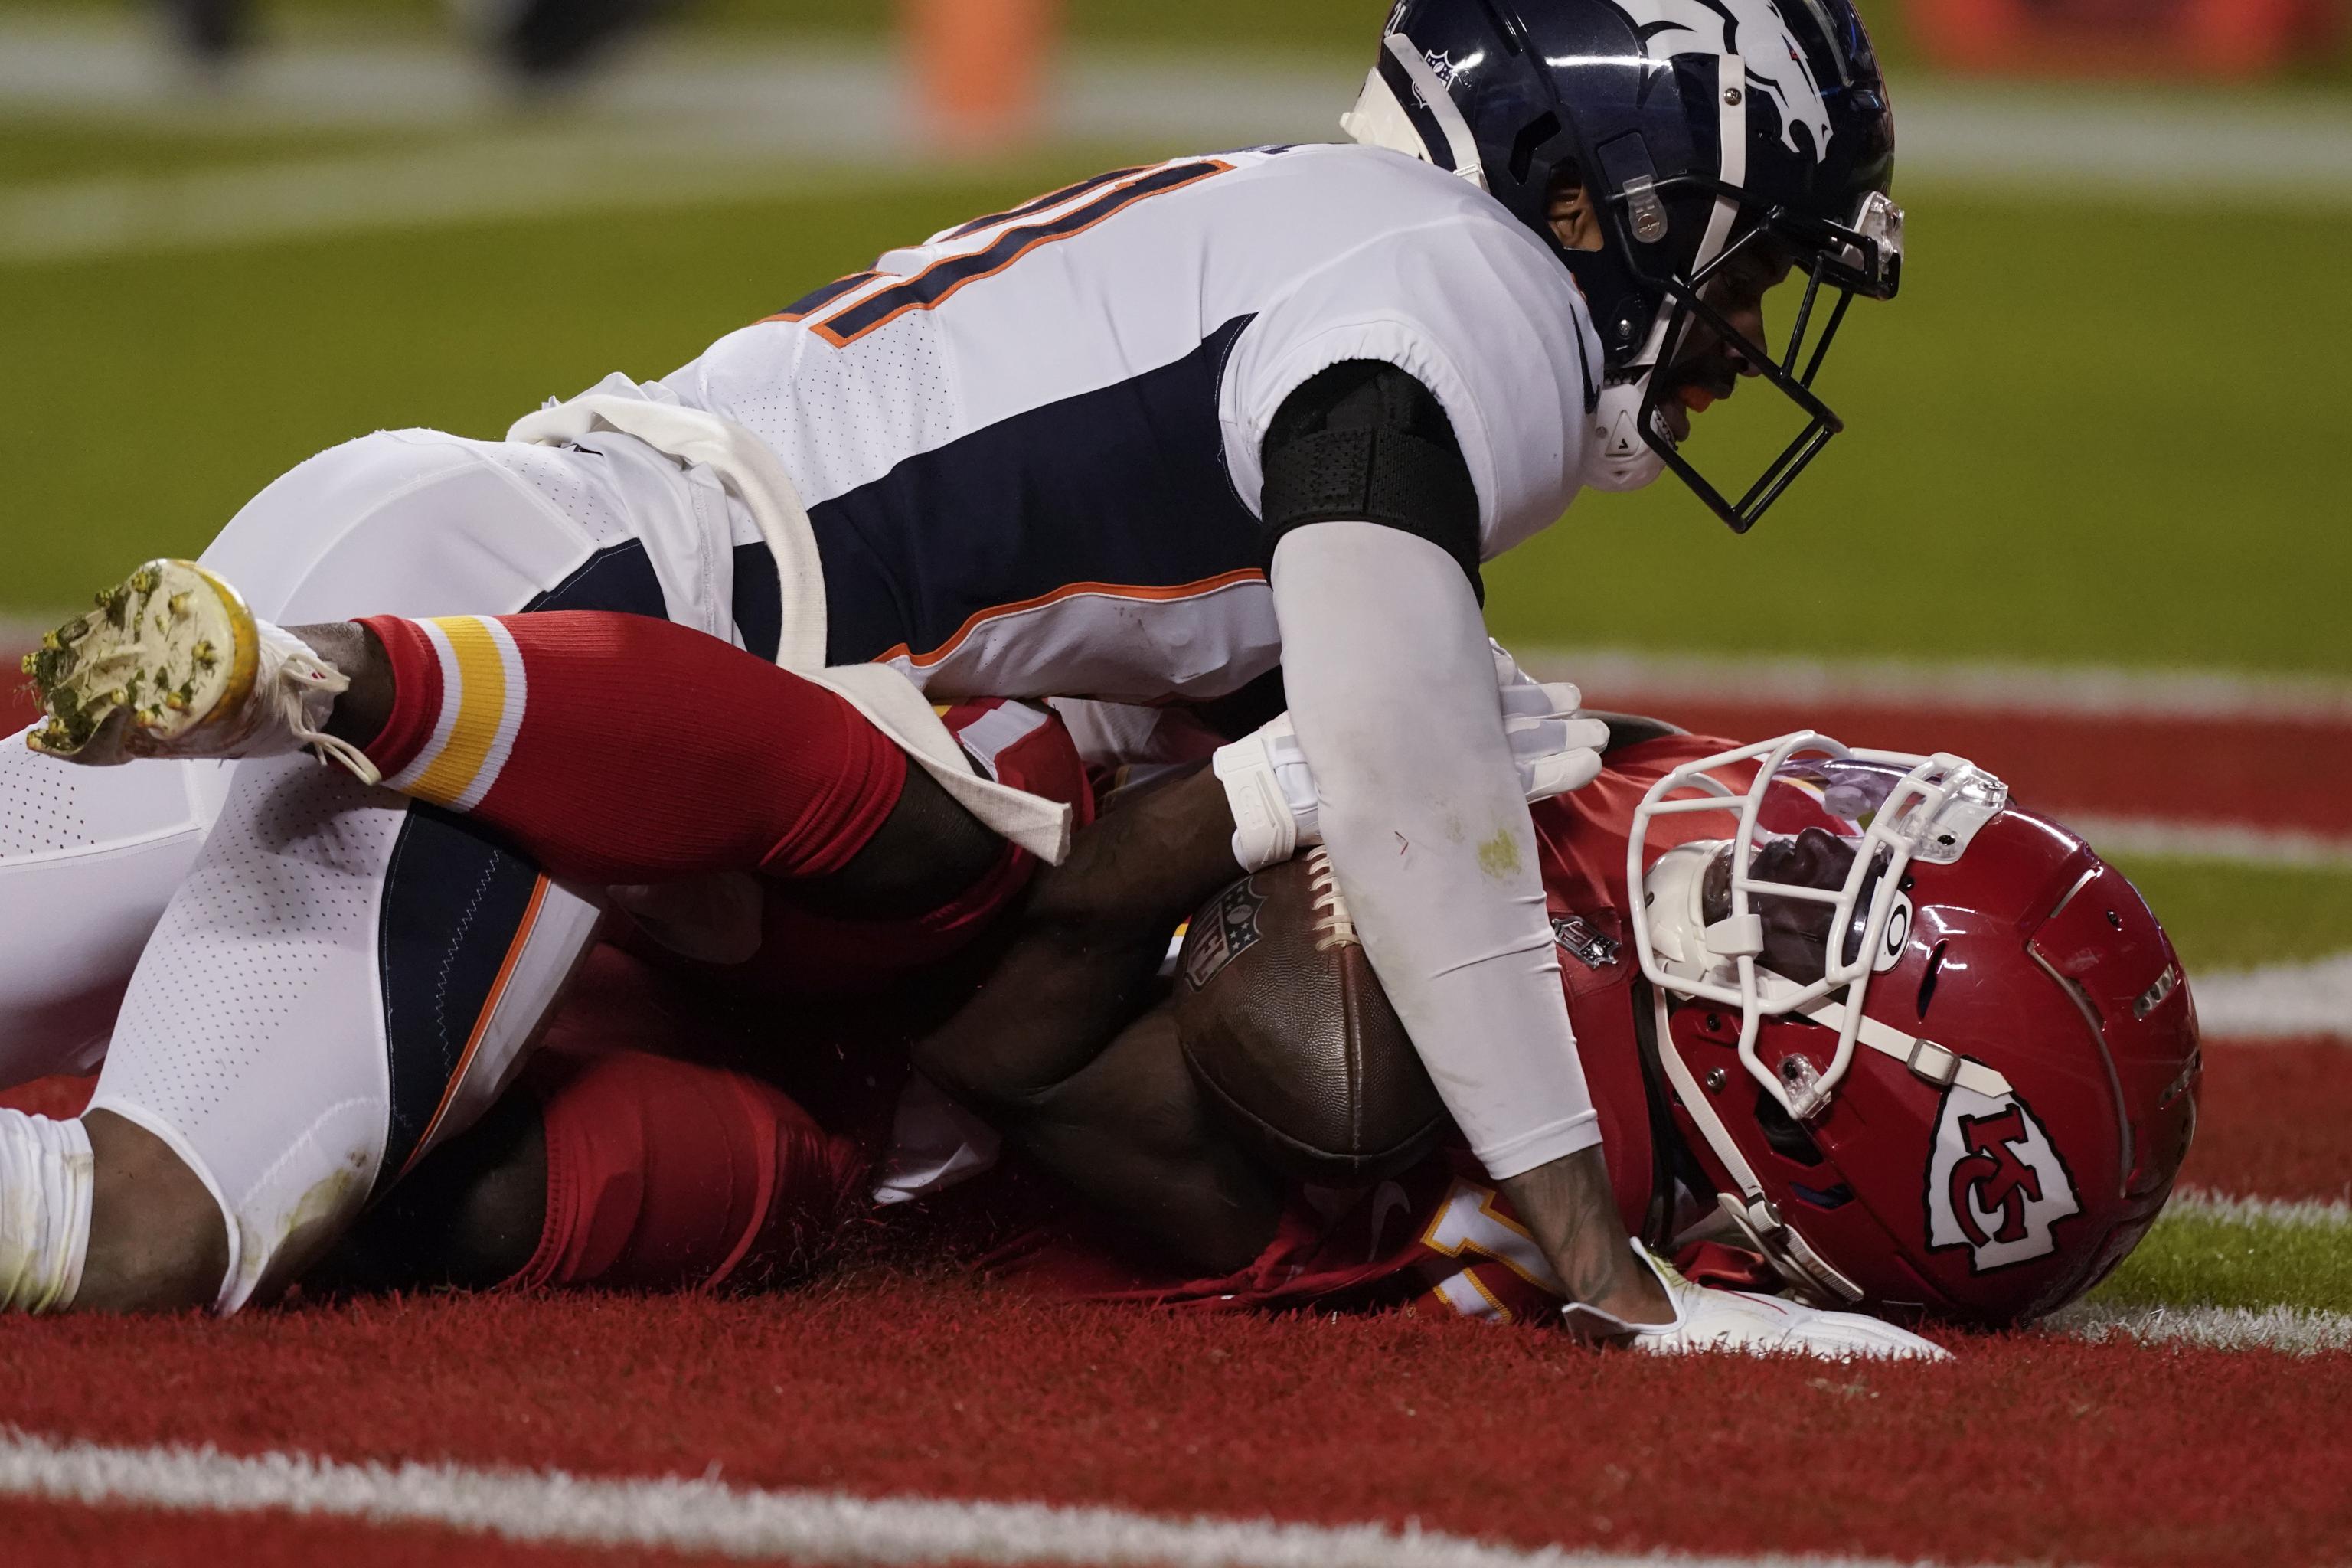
(944, 277)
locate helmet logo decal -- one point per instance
(1757, 32)
(1995, 1183)
(1897, 935)
(1441, 65)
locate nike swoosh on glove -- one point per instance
(1271, 790)
(1708, 1319)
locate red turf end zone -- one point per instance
(2272, 1120)
(2272, 772)
(62, 1534)
(2022, 1449)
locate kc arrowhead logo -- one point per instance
(1995, 1182)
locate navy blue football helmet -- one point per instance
(1699, 129)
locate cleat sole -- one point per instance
(157, 663)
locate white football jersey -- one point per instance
(1030, 447)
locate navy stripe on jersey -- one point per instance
(944, 277)
(1124, 486)
(1039, 203)
(816, 299)
(457, 904)
(458, 901)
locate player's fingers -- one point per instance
(1550, 732)
(1557, 772)
(1506, 668)
(1585, 735)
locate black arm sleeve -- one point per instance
(1364, 441)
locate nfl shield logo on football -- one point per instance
(1233, 927)
(1995, 1182)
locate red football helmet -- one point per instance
(1933, 1053)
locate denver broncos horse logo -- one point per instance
(1757, 32)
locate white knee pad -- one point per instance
(88, 857)
(45, 1201)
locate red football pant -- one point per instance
(669, 1175)
(622, 749)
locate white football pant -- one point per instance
(300, 983)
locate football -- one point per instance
(1287, 1031)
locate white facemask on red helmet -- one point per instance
(1931, 1050)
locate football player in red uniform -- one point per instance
(1881, 1038)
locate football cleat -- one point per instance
(1711, 1320)
(172, 663)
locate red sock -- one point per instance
(619, 748)
(666, 1175)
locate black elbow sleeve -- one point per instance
(1365, 441)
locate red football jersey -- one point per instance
(1440, 1237)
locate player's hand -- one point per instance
(1271, 790)
(1710, 1319)
(1554, 751)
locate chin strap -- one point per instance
(1936, 1064)
(1750, 1209)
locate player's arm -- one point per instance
(1084, 956)
(1052, 1052)
(1375, 527)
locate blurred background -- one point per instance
(2100, 431)
(2100, 425)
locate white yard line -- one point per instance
(2154, 838)
(2196, 1203)
(2292, 1330)
(2277, 1001)
(2076, 690)
(708, 1516)
(495, 179)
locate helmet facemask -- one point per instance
(1697, 132)
(1715, 908)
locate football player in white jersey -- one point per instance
(1151, 438)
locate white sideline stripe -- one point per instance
(2278, 1001)
(2154, 838)
(495, 179)
(2135, 145)
(2197, 1202)
(707, 1515)
(827, 107)
(2294, 1331)
(2081, 690)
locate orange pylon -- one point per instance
(977, 67)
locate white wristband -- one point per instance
(1265, 829)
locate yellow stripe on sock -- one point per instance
(481, 701)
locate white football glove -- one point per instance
(1272, 792)
(1554, 751)
(1708, 1319)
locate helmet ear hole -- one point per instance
(1532, 135)
(1787, 1139)
(1927, 981)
